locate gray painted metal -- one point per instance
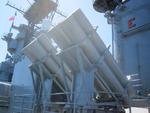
(17, 61)
(76, 32)
(132, 42)
(4, 110)
(21, 99)
(21, 75)
(6, 70)
(5, 89)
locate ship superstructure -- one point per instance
(68, 67)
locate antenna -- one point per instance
(29, 2)
(39, 10)
(13, 22)
(61, 14)
(13, 6)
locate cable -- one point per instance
(29, 2)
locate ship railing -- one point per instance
(4, 101)
(27, 103)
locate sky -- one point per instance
(65, 6)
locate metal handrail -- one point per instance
(64, 93)
(24, 103)
(4, 98)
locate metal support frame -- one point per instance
(83, 85)
(81, 94)
(99, 61)
(64, 78)
(42, 96)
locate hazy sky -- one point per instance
(66, 6)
